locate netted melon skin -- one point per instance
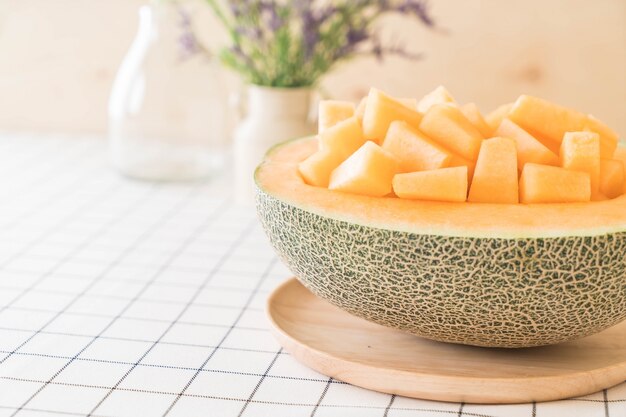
(477, 291)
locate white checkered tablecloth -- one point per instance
(123, 298)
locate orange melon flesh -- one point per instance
(608, 138)
(411, 103)
(529, 149)
(438, 96)
(381, 110)
(278, 176)
(495, 176)
(494, 118)
(316, 169)
(580, 151)
(343, 138)
(369, 171)
(457, 161)
(548, 184)
(473, 114)
(450, 128)
(331, 112)
(445, 184)
(611, 177)
(413, 150)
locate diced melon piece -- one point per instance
(494, 118)
(445, 184)
(343, 138)
(411, 103)
(580, 151)
(529, 149)
(451, 129)
(473, 114)
(457, 161)
(548, 184)
(316, 169)
(611, 177)
(331, 112)
(495, 176)
(413, 150)
(381, 110)
(608, 138)
(368, 171)
(438, 96)
(545, 120)
(360, 109)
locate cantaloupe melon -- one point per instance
(411, 103)
(612, 177)
(368, 171)
(331, 112)
(529, 149)
(580, 151)
(494, 118)
(450, 128)
(444, 184)
(381, 110)
(413, 150)
(495, 176)
(473, 114)
(439, 95)
(549, 184)
(507, 275)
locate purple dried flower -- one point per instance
(417, 8)
(270, 11)
(187, 40)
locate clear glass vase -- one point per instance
(166, 113)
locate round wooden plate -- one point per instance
(361, 353)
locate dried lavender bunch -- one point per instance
(292, 43)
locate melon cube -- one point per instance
(450, 128)
(343, 138)
(438, 96)
(445, 184)
(413, 150)
(331, 112)
(548, 184)
(580, 151)
(529, 149)
(544, 120)
(495, 176)
(473, 114)
(381, 110)
(494, 118)
(316, 169)
(411, 103)
(457, 161)
(369, 171)
(611, 177)
(608, 138)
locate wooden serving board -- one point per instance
(361, 353)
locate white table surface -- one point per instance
(124, 298)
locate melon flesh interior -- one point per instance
(495, 176)
(439, 95)
(331, 112)
(548, 184)
(369, 171)
(611, 177)
(580, 151)
(316, 169)
(445, 184)
(450, 128)
(529, 149)
(494, 118)
(381, 110)
(343, 138)
(608, 137)
(278, 176)
(413, 150)
(473, 114)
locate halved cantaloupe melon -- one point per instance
(413, 150)
(331, 112)
(445, 184)
(612, 177)
(368, 171)
(381, 110)
(529, 149)
(580, 151)
(549, 184)
(507, 275)
(494, 118)
(473, 114)
(495, 176)
(450, 128)
(439, 95)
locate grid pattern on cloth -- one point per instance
(121, 298)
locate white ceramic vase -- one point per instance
(271, 116)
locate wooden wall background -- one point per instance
(58, 58)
